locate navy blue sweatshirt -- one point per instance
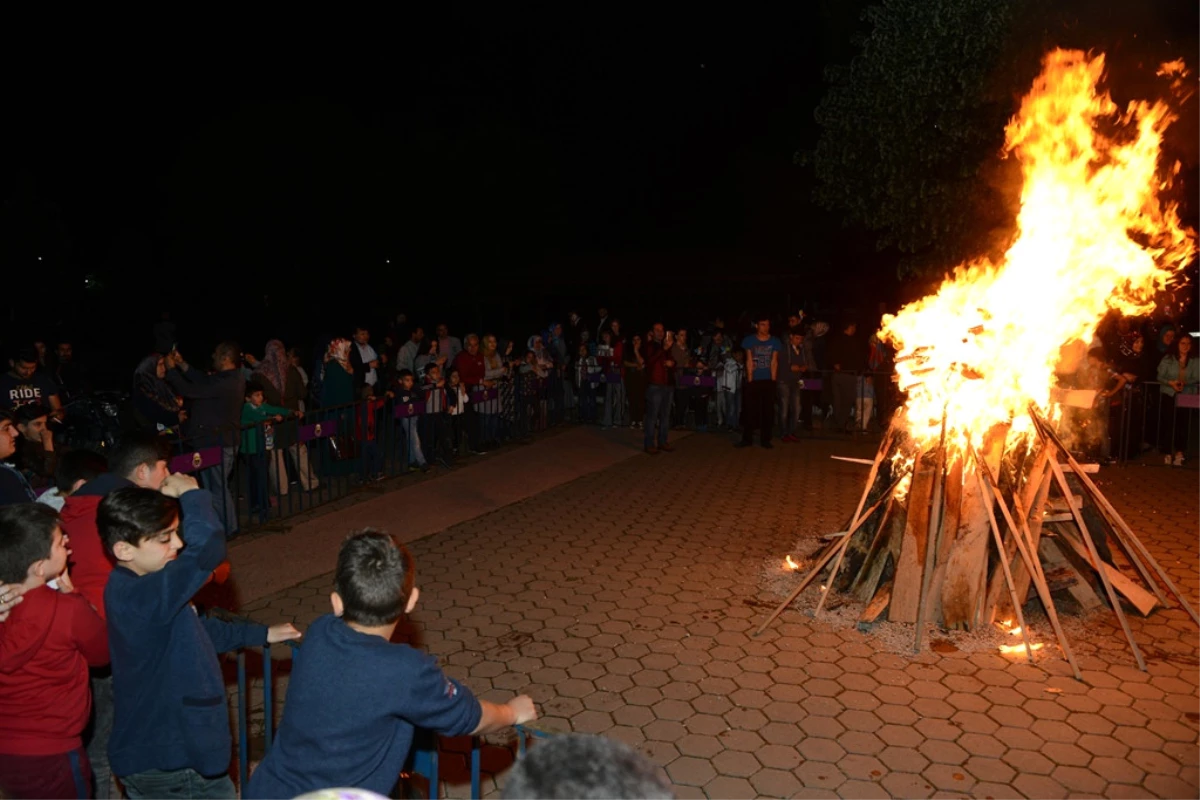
(168, 691)
(353, 701)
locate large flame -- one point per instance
(1092, 235)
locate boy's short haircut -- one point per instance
(137, 449)
(78, 465)
(253, 386)
(585, 766)
(133, 515)
(430, 367)
(405, 373)
(31, 411)
(26, 534)
(374, 578)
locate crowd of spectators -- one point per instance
(106, 668)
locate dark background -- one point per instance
(492, 169)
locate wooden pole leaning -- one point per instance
(838, 548)
(1000, 549)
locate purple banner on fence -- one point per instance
(484, 395)
(693, 381)
(318, 430)
(406, 410)
(605, 377)
(1187, 401)
(196, 460)
(811, 384)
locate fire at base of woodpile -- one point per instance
(974, 503)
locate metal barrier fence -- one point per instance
(1142, 418)
(423, 759)
(275, 469)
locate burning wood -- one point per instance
(972, 488)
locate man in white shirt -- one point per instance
(365, 362)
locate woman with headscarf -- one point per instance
(283, 387)
(1178, 374)
(156, 408)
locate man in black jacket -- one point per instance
(214, 419)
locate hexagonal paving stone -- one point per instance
(819, 774)
(691, 771)
(774, 783)
(903, 784)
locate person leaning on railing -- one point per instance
(1178, 373)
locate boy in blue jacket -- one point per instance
(354, 697)
(170, 734)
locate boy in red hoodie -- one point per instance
(48, 643)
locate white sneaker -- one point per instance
(1178, 462)
(1167, 460)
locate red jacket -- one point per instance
(656, 357)
(470, 368)
(46, 646)
(90, 561)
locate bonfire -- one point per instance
(973, 498)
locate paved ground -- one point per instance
(623, 602)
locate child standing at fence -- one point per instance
(729, 389)
(456, 407)
(354, 698)
(434, 423)
(406, 394)
(50, 640)
(258, 446)
(170, 734)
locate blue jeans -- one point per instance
(412, 439)
(658, 414)
(216, 480)
(157, 783)
(789, 407)
(614, 404)
(99, 731)
(730, 404)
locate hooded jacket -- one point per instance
(46, 646)
(90, 561)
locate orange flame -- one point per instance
(789, 564)
(1092, 234)
(1009, 649)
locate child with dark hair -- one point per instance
(49, 642)
(170, 734)
(354, 697)
(257, 441)
(75, 468)
(406, 394)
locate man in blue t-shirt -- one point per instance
(355, 698)
(762, 367)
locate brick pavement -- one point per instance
(623, 603)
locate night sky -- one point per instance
(492, 168)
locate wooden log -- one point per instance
(1091, 548)
(1079, 587)
(874, 610)
(963, 593)
(1142, 600)
(1004, 563)
(1030, 557)
(1032, 515)
(906, 588)
(1130, 538)
(951, 519)
(830, 552)
(863, 585)
(858, 552)
(932, 538)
